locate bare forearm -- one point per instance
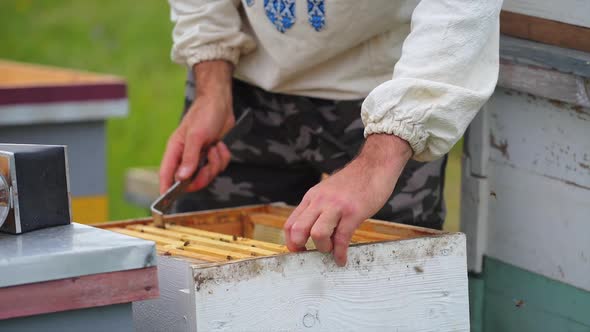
(386, 149)
(213, 78)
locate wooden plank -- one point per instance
(545, 83)
(160, 240)
(215, 252)
(200, 232)
(369, 230)
(545, 31)
(391, 228)
(542, 136)
(409, 285)
(229, 238)
(188, 254)
(266, 219)
(280, 210)
(18, 74)
(79, 292)
(225, 221)
(183, 245)
(539, 224)
(529, 53)
(475, 191)
(377, 236)
(568, 11)
(194, 239)
(172, 310)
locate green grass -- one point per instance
(127, 38)
(131, 39)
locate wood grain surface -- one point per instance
(80, 292)
(545, 31)
(409, 285)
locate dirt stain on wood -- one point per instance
(499, 145)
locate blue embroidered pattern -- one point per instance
(281, 13)
(250, 3)
(316, 10)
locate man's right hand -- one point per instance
(208, 118)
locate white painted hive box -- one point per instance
(398, 277)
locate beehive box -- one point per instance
(228, 270)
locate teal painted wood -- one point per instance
(476, 302)
(503, 315)
(514, 299)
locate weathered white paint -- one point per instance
(477, 143)
(539, 224)
(546, 83)
(567, 11)
(544, 137)
(59, 112)
(537, 187)
(474, 214)
(474, 189)
(172, 311)
(540, 176)
(411, 285)
(526, 52)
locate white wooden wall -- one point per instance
(531, 205)
(526, 170)
(539, 212)
(410, 285)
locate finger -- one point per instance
(341, 239)
(291, 220)
(322, 230)
(201, 180)
(169, 163)
(190, 156)
(225, 155)
(214, 162)
(302, 226)
(208, 172)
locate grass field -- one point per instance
(131, 39)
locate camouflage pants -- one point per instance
(293, 141)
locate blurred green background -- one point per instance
(131, 39)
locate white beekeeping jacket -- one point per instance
(443, 55)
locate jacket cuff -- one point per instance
(212, 52)
(412, 133)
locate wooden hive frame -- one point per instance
(247, 232)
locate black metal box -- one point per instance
(34, 187)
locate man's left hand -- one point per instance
(331, 211)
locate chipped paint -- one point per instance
(543, 136)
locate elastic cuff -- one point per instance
(410, 132)
(212, 52)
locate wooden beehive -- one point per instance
(228, 270)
